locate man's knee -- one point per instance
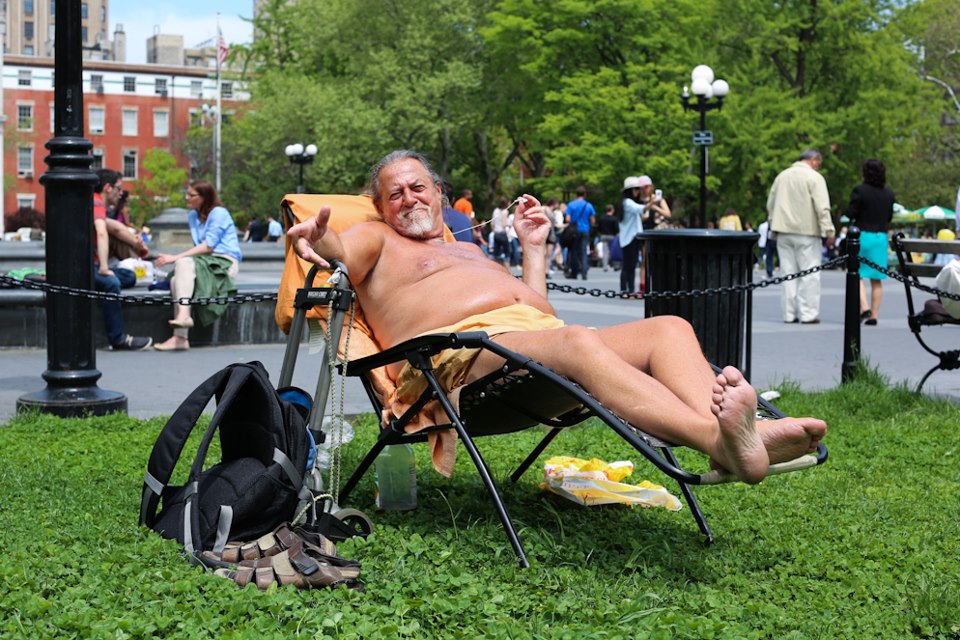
(671, 328)
(578, 340)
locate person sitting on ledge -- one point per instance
(651, 372)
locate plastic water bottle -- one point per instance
(395, 475)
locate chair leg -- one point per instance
(482, 469)
(690, 498)
(547, 439)
(924, 378)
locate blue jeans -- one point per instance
(112, 316)
(579, 259)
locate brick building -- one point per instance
(128, 109)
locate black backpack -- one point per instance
(255, 486)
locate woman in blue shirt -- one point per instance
(205, 270)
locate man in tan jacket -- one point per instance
(799, 211)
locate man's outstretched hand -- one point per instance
(531, 222)
(305, 235)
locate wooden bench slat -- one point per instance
(916, 245)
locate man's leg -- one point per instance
(583, 244)
(789, 262)
(110, 309)
(127, 278)
(727, 434)
(810, 254)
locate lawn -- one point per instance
(865, 546)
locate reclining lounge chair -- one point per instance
(519, 395)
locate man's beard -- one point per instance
(417, 222)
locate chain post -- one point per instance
(851, 319)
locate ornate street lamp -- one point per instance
(300, 155)
(71, 373)
(709, 95)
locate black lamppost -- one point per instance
(71, 374)
(704, 87)
(301, 156)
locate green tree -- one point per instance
(161, 187)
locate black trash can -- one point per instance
(692, 259)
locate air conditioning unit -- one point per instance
(25, 174)
(99, 89)
(163, 93)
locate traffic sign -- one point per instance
(703, 138)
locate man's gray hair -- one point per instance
(389, 159)
(811, 154)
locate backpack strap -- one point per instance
(234, 383)
(170, 443)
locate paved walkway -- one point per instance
(810, 355)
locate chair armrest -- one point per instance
(422, 346)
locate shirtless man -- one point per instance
(651, 372)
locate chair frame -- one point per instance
(948, 359)
(497, 390)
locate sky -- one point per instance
(195, 20)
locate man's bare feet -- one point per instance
(790, 438)
(740, 448)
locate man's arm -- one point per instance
(821, 204)
(533, 227)
(359, 247)
(123, 233)
(103, 246)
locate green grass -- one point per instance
(864, 547)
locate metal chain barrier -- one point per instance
(563, 288)
(135, 299)
(694, 293)
(896, 275)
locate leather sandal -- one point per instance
(270, 544)
(284, 569)
(260, 552)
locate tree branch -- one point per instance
(949, 89)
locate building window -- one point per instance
(196, 118)
(28, 31)
(24, 117)
(160, 86)
(129, 84)
(97, 119)
(25, 162)
(161, 123)
(129, 122)
(28, 7)
(24, 78)
(53, 7)
(83, 34)
(28, 49)
(83, 10)
(130, 164)
(51, 31)
(97, 160)
(226, 90)
(96, 83)
(103, 12)
(26, 200)
(196, 88)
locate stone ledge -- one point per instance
(23, 320)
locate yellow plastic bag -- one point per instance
(590, 482)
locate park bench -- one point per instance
(932, 313)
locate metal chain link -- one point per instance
(916, 284)
(135, 299)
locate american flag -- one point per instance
(222, 48)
